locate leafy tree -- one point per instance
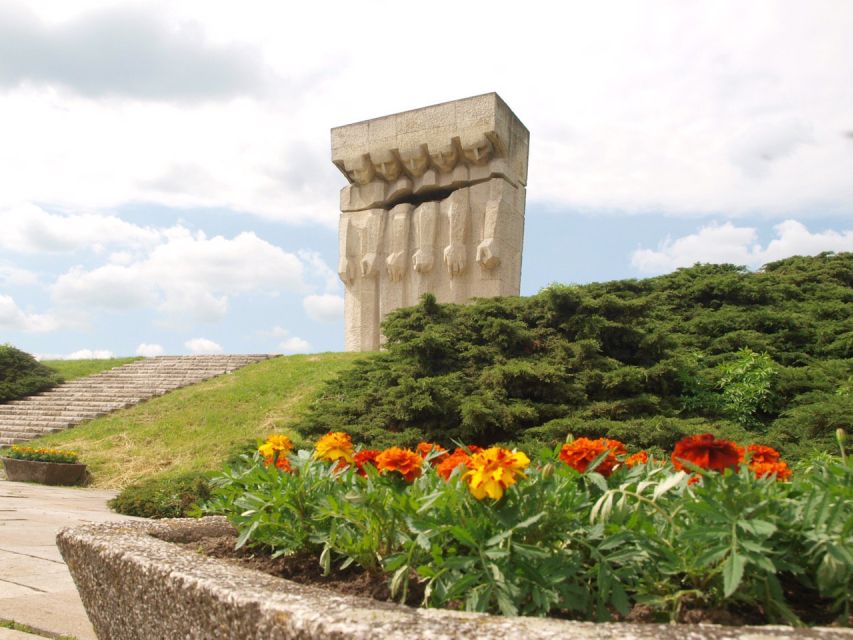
(707, 348)
(22, 375)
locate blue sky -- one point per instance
(165, 183)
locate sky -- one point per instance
(165, 176)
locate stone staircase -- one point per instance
(85, 398)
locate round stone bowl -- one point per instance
(136, 584)
(56, 473)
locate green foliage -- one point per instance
(565, 543)
(22, 375)
(702, 349)
(163, 497)
(745, 385)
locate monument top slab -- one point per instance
(458, 126)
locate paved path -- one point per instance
(35, 586)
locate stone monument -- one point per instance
(435, 203)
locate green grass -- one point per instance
(71, 369)
(195, 428)
(25, 628)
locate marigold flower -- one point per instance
(641, 457)
(365, 457)
(494, 470)
(760, 454)
(765, 461)
(705, 451)
(446, 466)
(280, 463)
(276, 444)
(335, 445)
(579, 453)
(764, 469)
(424, 449)
(404, 461)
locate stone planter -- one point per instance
(62, 473)
(136, 584)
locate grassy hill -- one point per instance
(196, 428)
(71, 369)
(764, 356)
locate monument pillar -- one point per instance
(434, 203)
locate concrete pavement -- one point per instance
(35, 586)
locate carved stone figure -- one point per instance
(435, 203)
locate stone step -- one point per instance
(86, 398)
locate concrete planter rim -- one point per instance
(135, 584)
(51, 473)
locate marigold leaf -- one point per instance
(671, 482)
(732, 573)
(463, 535)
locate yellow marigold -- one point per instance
(494, 470)
(276, 444)
(335, 445)
(404, 461)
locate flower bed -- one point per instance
(588, 531)
(44, 466)
(137, 584)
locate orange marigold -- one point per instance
(763, 469)
(424, 449)
(579, 453)
(365, 457)
(705, 451)
(281, 462)
(760, 454)
(403, 461)
(641, 457)
(446, 466)
(335, 445)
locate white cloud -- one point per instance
(167, 62)
(186, 277)
(13, 318)
(318, 268)
(728, 243)
(14, 276)
(276, 332)
(149, 350)
(685, 108)
(29, 228)
(89, 354)
(324, 308)
(201, 346)
(295, 345)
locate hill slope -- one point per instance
(197, 427)
(755, 356)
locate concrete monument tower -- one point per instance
(435, 203)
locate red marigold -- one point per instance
(424, 449)
(365, 457)
(705, 451)
(641, 457)
(581, 452)
(763, 469)
(458, 457)
(404, 461)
